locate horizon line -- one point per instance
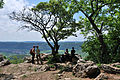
(41, 41)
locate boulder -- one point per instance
(3, 61)
(1, 57)
(28, 59)
(102, 76)
(6, 77)
(44, 56)
(110, 69)
(87, 69)
(76, 58)
(81, 61)
(44, 68)
(92, 71)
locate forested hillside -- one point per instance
(24, 47)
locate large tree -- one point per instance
(51, 19)
(95, 22)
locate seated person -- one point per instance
(66, 55)
(66, 52)
(72, 52)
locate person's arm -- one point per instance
(34, 51)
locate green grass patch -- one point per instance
(16, 59)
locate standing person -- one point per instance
(72, 53)
(32, 52)
(38, 55)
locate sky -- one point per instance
(9, 28)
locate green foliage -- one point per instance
(58, 9)
(51, 65)
(65, 68)
(93, 49)
(99, 65)
(100, 25)
(52, 59)
(24, 76)
(52, 19)
(1, 3)
(16, 59)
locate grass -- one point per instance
(24, 76)
(1, 70)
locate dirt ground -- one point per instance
(27, 71)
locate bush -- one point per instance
(55, 59)
(16, 59)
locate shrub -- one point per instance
(52, 59)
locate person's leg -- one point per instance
(33, 56)
(37, 59)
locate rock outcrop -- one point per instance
(86, 69)
(28, 59)
(102, 76)
(110, 68)
(6, 77)
(3, 61)
(44, 57)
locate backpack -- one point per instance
(31, 52)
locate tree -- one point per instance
(95, 22)
(52, 20)
(1, 3)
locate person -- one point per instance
(72, 53)
(32, 52)
(67, 55)
(66, 52)
(38, 55)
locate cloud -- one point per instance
(8, 28)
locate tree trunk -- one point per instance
(55, 49)
(53, 52)
(104, 53)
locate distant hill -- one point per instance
(23, 47)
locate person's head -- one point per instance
(66, 50)
(37, 46)
(73, 48)
(33, 46)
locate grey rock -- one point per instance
(6, 77)
(102, 76)
(110, 69)
(3, 61)
(1, 57)
(86, 70)
(28, 59)
(92, 71)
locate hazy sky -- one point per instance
(9, 28)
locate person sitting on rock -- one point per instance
(38, 55)
(72, 53)
(67, 55)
